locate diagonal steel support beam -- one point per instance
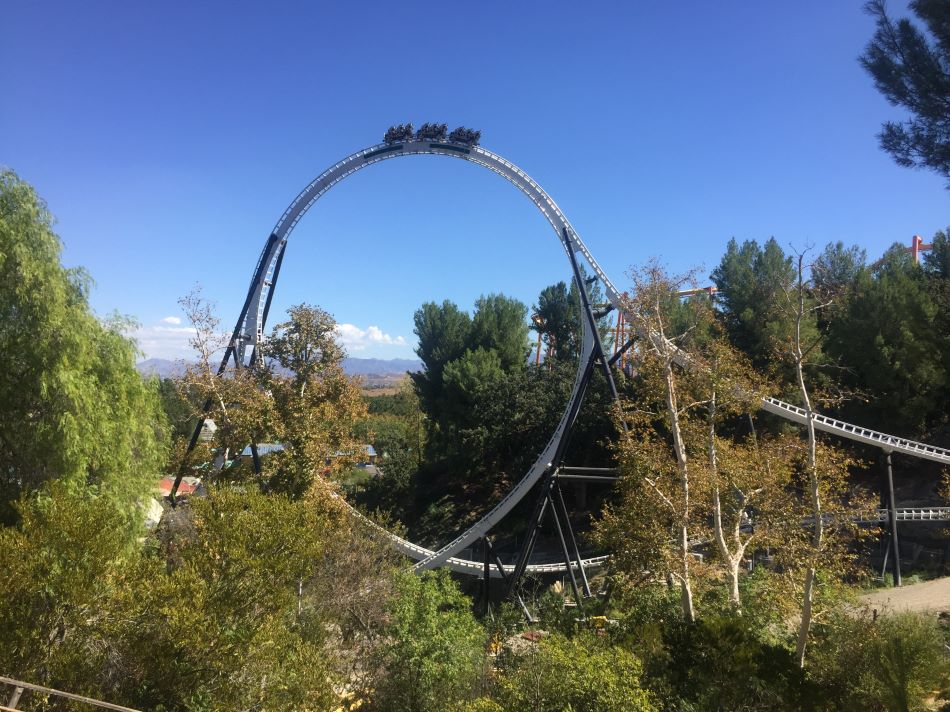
(620, 352)
(565, 553)
(575, 550)
(592, 320)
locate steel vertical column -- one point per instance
(549, 482)
(892, 519)
(487, 573)
(528, 546)
(589, 313)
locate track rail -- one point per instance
(253, 326)
(912, 514)
(888, 443)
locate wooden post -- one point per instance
(15, 697)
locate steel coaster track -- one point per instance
(902, 514)
(251, 333)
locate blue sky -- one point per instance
(169, 137)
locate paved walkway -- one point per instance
(926, 596)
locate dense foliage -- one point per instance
(72, 406)
(482, 414)
(295, 399)
(878, 334)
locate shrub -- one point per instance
(435, 649)
(581, 674)
(894, 662)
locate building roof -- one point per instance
(263, 449)
(188, 485)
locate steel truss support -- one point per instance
(551, 497)
(491, 558)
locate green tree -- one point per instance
(937, 261)
(895, 662)
(179, 413)
(305, 345)
(499, 325)
(752, 282)
(235, 621)
(467, 377)
(680, 473)
(396, 429)
(72, 405)
(243, 601)
(823, 469)
(582, 674)
(886, 333)
(61, 563)
(937, 272)
(462, 355)
(487, 414)
(837, 267)
(299, 396)
(558, 320)
(557, 317)
(912, 71)
(434, 656)
(444, 335)
(722, 663)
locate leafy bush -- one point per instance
(722, 663)
(584, 673)
(435, 652)
(895, 662)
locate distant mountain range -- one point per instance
(167, 368)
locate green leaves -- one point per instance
(72, 405)
(558, 320)
(310, 407)
(886, 331)
(910, 68)
(435, 649)
(754, 284)
(583, 674)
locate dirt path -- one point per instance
(926, 596)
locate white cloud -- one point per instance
(170, 342)
(354, 338)
(167, 340)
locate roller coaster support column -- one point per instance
(487, 583)
(564, 550)
(550, 494)
(892, 521)
(592, 320)
(491, 556)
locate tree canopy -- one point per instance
(911, 68)
(298, 397)
(72, 405)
